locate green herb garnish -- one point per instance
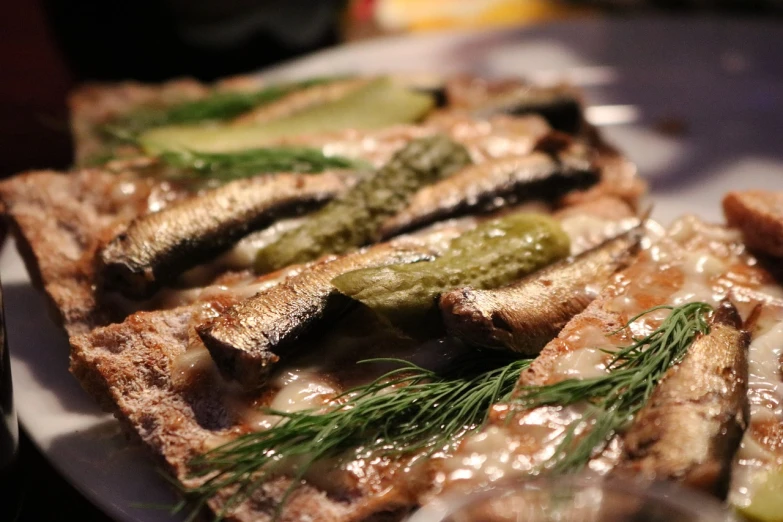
(220, 105)
(410, 410)
(405, 411)
(245, 163)
(613, 399)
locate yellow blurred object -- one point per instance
(426, 15)
(766, 504)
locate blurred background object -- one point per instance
(152, 40)
(374, 17)
(370, 18)
(577, 498)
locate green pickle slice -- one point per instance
(766, 504)
(354, 219)
(379, 104)
(494, 254)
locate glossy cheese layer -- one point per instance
(761, 449)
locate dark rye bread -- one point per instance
(60, 220)
(131, 367)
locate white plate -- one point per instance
(722, 79)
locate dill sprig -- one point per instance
(613, 399)
(245, 163)
(219, 105)
(411, 410)
(406, 411)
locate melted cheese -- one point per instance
(502, 452)
(298, 390)
(243, 254)
(582, 364)
(699, 269)
(764, 369)
(765, 395)
(690, 263)
(587, 231)
(195, 361)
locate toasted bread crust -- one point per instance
(60, 220)
(131, 366)
(759, 215)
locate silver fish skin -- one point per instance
(493, 183)
(692, 425)
(523, 317)
(247, 340)
(157, 247)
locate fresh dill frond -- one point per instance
(219, 105)
(411, 410)
(406, 411)
(613, 399)
(244, 163)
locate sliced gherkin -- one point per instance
(379, 104)
(496, 253)
(766, 503)
(354, 219)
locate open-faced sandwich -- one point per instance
(336, 299)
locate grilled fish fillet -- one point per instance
(250, 337)
(534, 176)
(692, 425)
(526, 315)
(157, 247)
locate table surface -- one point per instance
(44, 495)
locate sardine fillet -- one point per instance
(534, 176)
(247, 340)
(693, 423)
(157, 247)
(524, 316)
